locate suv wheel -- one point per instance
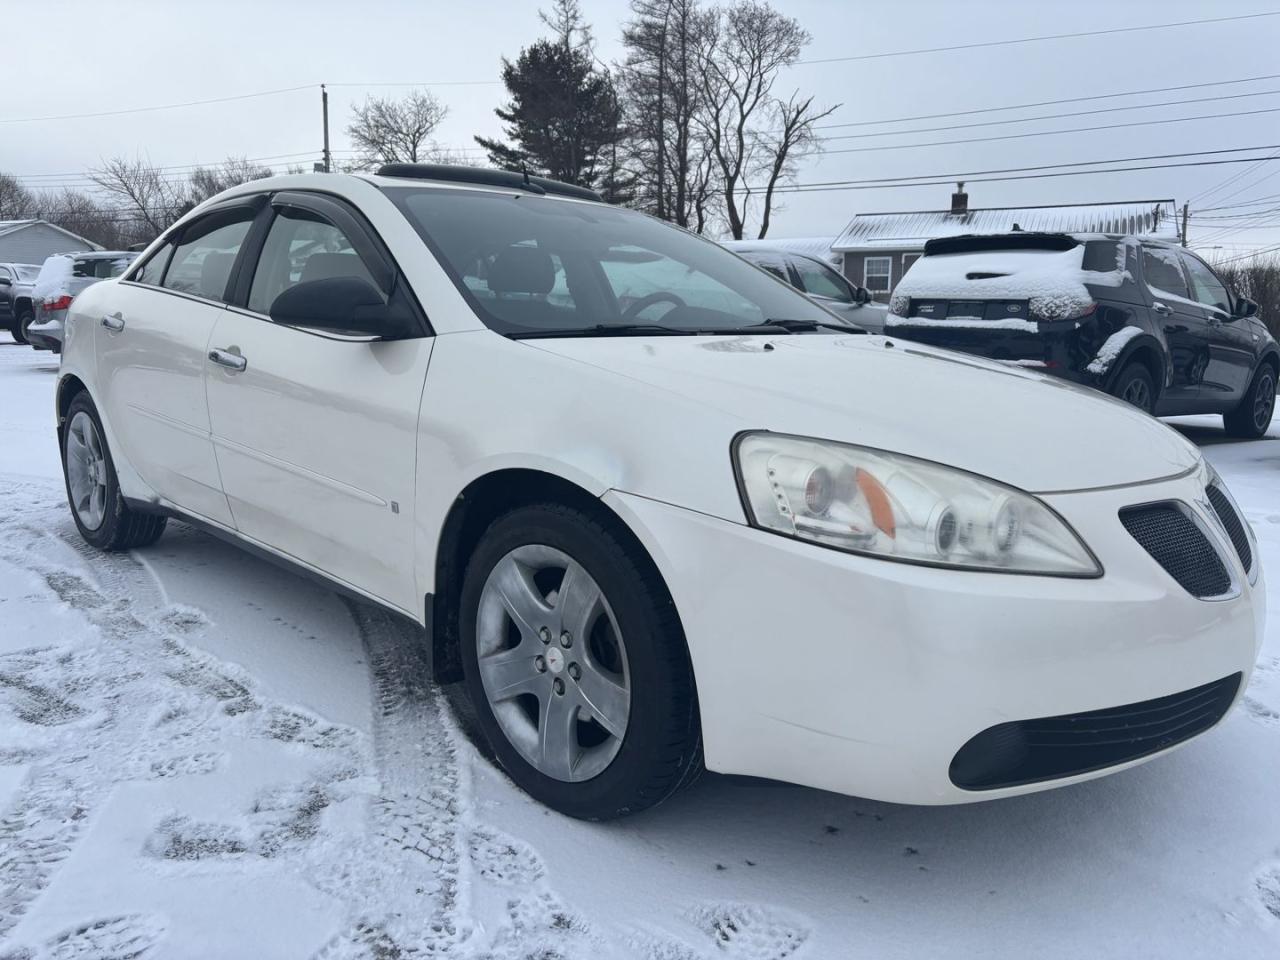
(1134, 386)
(576, 664)
(99, 510)
(20, 323)
(1251, 419)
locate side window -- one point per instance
(773, 264)
(1163, 275)
(202, 261)
(822, 281)
(1206, 287)
(301, 246)
(152, 271)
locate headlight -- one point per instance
(900, 508)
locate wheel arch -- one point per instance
(1144, 349)
(1270, 356)
(70, 386)
(482, 501)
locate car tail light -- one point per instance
(61, 303)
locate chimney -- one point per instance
(959, 201)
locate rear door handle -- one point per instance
(113, 322)
(1161, 309)
(225, 358)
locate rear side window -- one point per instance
(1162, 272)
(202, 262)
(301, 246)
(153, 270)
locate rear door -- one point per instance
(316, 432)
(1230, 347)
(1180, 318)
(151, 359)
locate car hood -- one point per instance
(1022, 428)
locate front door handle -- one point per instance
(225, 358)
(113, 322)
(1161, 309)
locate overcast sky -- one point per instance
(85, 57)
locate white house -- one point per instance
(30, 241)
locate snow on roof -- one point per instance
(819, 247)
(870, 231)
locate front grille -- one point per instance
(1178, 544)
(1232, 523)
(1030, 751)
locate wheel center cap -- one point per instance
(555, 660)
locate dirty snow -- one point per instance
(1053, 281)
(1111, 348)
(203, 756)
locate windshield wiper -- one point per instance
(801, 326)
(611, 330)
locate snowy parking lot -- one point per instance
(204, 756)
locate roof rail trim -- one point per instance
(484, 176)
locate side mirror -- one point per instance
(1245, 307)
(860, 294)
(340, 304)
(5, 282)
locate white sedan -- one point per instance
(653, 506)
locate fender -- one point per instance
(1141, 343)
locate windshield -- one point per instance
(531, 265)
(26, 271)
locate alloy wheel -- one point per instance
(86, 471)
(1136, 393)
(1264, 400)
(553, 663)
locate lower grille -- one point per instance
(1031, 751)
(1233, 523)
(1178, 544)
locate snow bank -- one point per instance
(54, 278)
(1053, 281)
(1112, 348)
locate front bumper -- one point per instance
(866, 677)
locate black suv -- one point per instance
(1144, 320)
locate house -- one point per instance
(877, 248)
(30, 241)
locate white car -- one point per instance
(657, 509)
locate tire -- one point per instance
(633, 639)
(23, 320)
(93, 491)
(1252, 417)
(1135, 387)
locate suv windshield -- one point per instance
(531, 265)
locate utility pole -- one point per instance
(324, 105)
(1184, 223)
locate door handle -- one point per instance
(1161, 309)
(113, 322)
(225, 358)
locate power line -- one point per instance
(1051, 116)
(1046, 133)
(163, 106)
(1047, 103)
(1246, 256)
(1053, 36)
(182, 166)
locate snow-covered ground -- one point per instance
(203, 756)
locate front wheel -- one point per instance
(576, 664)
(23, 320)
(93, 491)
(1252, 417)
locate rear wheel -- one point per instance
(99, 510)
(1250, 420)
(23, 320)
(1135, 386)
(576, 664)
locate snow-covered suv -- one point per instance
(1144, 320)
(655, 508)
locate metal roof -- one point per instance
(872, 231)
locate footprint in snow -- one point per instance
(111, 938)
(1267, 886)
(750, 932)
(1260, 711)
(504, 860)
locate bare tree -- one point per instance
(209, 181)
(138, 189)
(737, 73)
(385, 130)
(16, 201)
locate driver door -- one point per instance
(1230, 349)
(316, 432)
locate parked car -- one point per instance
(820, 282)
(16, 281)
(1143, 320)
(62, 277)
(653, 508)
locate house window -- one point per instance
(876, 272)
